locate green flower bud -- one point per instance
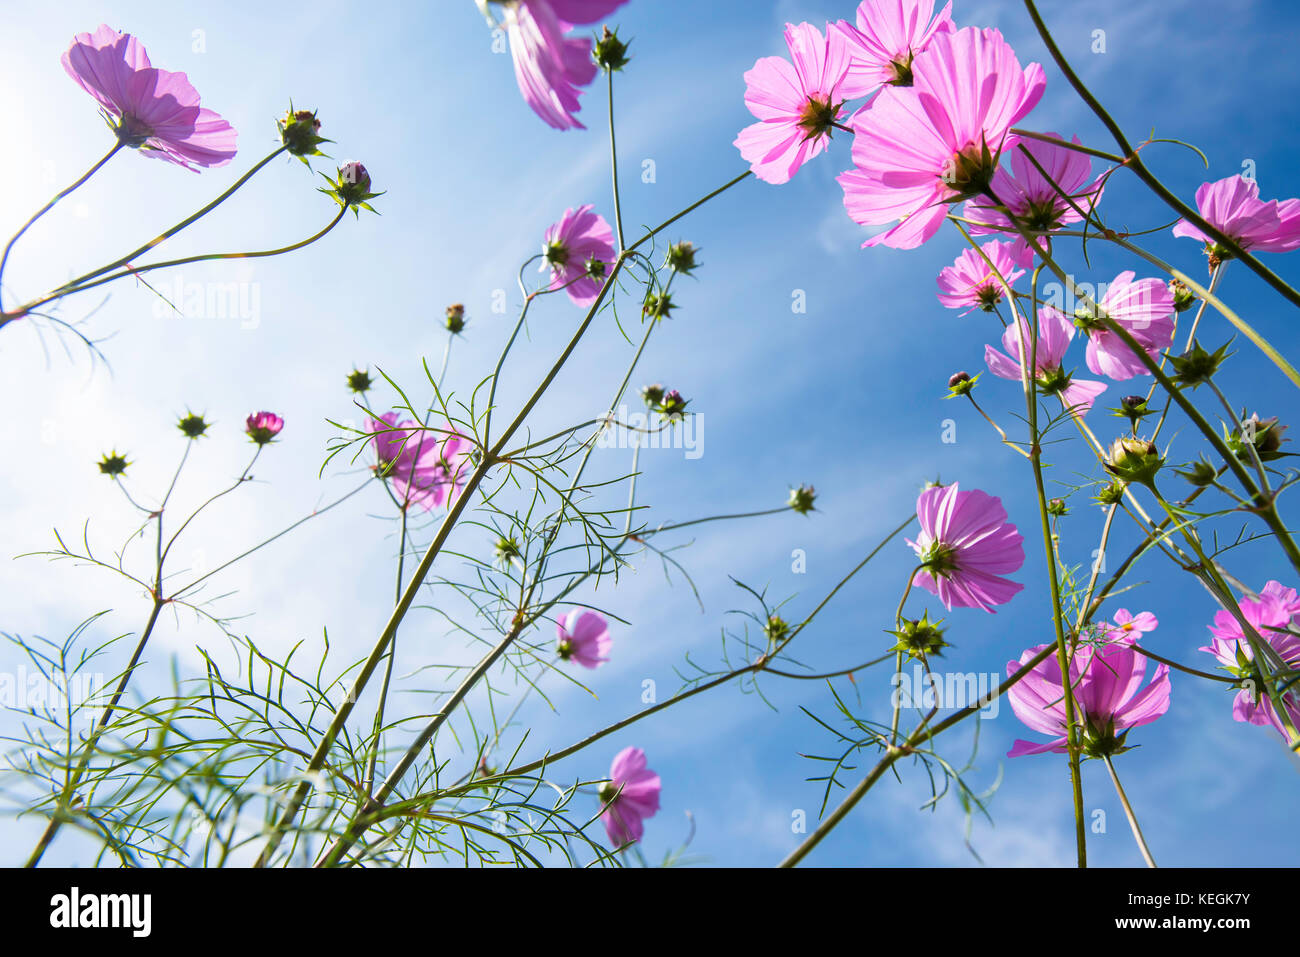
(1111, 494)
(1134, 460)
(776, 628)
(359, 380)
(1057, 507)
(192, 425)
(920, 638)
(653, 395)
(455, 321)
(1183, 298)
(1201, 473)
(657, 305)
(802, 498)
(1196, 366)
(1264, 434)
(507, 549)
(113, 464)
(299, 132)
(681, 258)
(610, 53)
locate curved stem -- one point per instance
(140, 270)
(4, 258)
(169, 233)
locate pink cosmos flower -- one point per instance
(1054, 334)
(966, 546)
(888, 35)
(1130, 627)
(630, 796)
(1032, 199)
(1274, 618)
(1146, 309)
(584, 638)
(427, 468)
(262, 427)
(150, 109)
(919, 148)
(550, 66)
(796, 105)
(970, 282)
(1234, 206)
(578, 251)
(1108, 694)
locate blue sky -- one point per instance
(847, 396)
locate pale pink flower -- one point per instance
(152, 110)
(1274, 617)
(426, 467)
(1054, 334)
(584, 638)
(1037, 205)
(578, 251)
(970, 282)
(1106, 682)
(1130, 627)
(630, 796)
(797, 104)
(1233, 205)
(966, 545)
(919, 148)
(549, 65)
(1145, 309)
(887, 37)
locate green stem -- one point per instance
(1128, 812)
(1133, 161)
(140, 270)
(169, 233)
(4, 258)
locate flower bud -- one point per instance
(1111, 494)
(802, 498)
(1183, 298)
(1201, 473)
(961, 383)
(776, 628)
(359, 380)
(1264, 434)
(300, 133)
(658, 305)
(1196, 366)
(351, 187)
(1133, 460)
(920, 637)
(610, 52)
(113, 464)
(1134, 408)
(1057, 507)
(653, 395)
(507, 549)
(192, 425)
(673, 405)
(455, 318)
(262, 427)
(681, 258)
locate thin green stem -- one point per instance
(1128, 813)
(4, 258)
